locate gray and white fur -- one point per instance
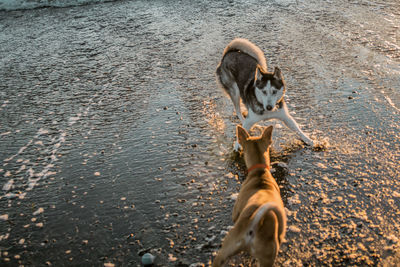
(242, 73)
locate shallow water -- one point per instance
(116, 141)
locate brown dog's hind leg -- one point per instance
(267, 242)
(232, 244)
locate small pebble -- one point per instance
(148, 259)
(294, 229)
(40, 210)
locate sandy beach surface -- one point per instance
(115, 140)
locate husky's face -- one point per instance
(269, 88)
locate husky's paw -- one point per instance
(237, 147)
(309, 142)
(321, 145)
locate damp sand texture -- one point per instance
(115, 140)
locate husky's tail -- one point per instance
(249, 48)
(280, 214)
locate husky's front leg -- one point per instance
(235, 96)
(251, 119)
(292, 124)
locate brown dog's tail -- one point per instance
(280, 214)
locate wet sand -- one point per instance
(116, 141)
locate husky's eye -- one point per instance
(274, 92)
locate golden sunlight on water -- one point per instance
(213, 118)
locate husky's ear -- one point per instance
(278, 73)
(266, 137)
(258, 74)
(241, 134)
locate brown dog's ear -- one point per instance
(266, 137)
(241, 134)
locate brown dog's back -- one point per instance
(259, 215)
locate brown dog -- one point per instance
(258, 214)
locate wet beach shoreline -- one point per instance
(116, 141)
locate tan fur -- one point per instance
(258, 214)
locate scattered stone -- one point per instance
(229, 175)
(171, 243)
(223, 233)
(294, 229)
(234, 196)
(338, 199)
(392, 239)
(8, 185)
(396, 194)
(148, 259)
(4, 237)
(362, 247)
(294, 200)
(171, 257)
(210, 239)
(321, 165)
(38, 211)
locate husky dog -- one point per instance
(243, 74)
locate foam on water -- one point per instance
(389, 100)
(74, 119)
(31, 4)
(34, 175)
